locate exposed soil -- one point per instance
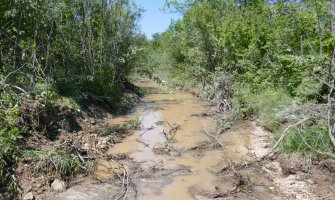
(179, 154)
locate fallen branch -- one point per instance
(140, 141)
(215, 138)
(125, 181)
(153, 168)
(283, 135)
(82, 160)
(172, 132)
(315, 150)
(327, 197)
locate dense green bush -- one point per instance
(272, 50)
(51, 52)
(308, 141)
(262, 45)
(263, 104)
(10, 136)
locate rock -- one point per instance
(310, 181)
(329, 164)
(29, 196)
(103, 142)
(93, 122)
(39, 185)
(58, 185)
(86, 146)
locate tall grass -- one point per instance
(261, 104)
(307, 141)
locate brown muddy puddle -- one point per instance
(160, 112)
(178, 168)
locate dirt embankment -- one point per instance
(177, 153)
(62, 145)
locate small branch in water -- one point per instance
(144, 132)
(140, 141)
(215, 138)
(153, 168)
(237, 174)
(168, 123)
(172, 132)
(202, 114)
(125, 181)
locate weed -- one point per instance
(57, 162)
(316, 138)
(10, 135)
(126, 127)
(263, 104)
(69, 102)
(224, 122)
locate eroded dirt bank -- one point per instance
(177, 154)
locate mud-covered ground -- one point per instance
(178, 154)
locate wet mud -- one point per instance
(176, 155)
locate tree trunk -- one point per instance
(331, 101)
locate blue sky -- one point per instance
(153, 19)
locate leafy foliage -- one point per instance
(308, 141)
(262, 44)
(10, 134)
(53, 51)
(272, 50)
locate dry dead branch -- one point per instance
(140, 141)
(125, 181)
(313, 149)
(172, 132)
(215, 138)
(283, 135)
(154, 167)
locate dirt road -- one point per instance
(177, 154)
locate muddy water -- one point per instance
(160, 112)
(174, 166)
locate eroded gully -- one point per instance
(172, 156)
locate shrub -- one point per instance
(10, 135)
(57, 162)
(316, 137)
(263, 104)
(133, 124)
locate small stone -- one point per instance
(102, 143)
(39, 185)
(271, 188)
(310, 181)
(29, 196)
(93, 122)
(329, 164)
(86, 146)
(58, 185)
